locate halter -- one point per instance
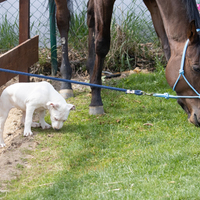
(181, 73)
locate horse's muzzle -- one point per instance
(195, 119)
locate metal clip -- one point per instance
(148, 94)
(130, 91)
(137, 92)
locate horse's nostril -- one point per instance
(197, 123)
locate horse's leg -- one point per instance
(99, 19)
(62, 17)
(159, 26)
(91, 36)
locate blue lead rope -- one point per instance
(137, 92)
(168, 96)
(127, 91)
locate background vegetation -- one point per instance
(134, 42)
(9, 36)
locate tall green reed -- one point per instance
(9, 34)
(132, 35)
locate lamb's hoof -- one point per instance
(27, 133)
(45, 126)
(35, 125)
(96, 110)
(66, 93)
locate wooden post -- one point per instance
(19, 58)
(24, 20)
(24, 29)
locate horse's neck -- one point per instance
(177, 48)
(177, 40)
(175, 19)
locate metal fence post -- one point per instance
(54, 64)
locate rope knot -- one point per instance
(181, 71)
(166, 95)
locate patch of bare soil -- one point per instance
(10, 156)
(13, 157)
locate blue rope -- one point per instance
(127, 91)
(137, 92)
(168, 96)
(181, 71)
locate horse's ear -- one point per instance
(192, 33)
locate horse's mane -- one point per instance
(192, 11)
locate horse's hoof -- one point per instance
(66, 93)
(96, 110)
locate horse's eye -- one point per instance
(196, 68)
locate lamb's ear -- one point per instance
(71, 107)
(52, 104)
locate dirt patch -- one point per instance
(14, 158)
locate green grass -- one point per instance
(142, 148)
(131, 33)
(9, 36)
(78, 32)
(133, 38)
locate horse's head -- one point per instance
(191, 72)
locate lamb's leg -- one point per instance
(3, 116)
(33, 124)
(43, 124)
(28, 120)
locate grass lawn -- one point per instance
(142, 148)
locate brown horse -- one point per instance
(173, 23)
